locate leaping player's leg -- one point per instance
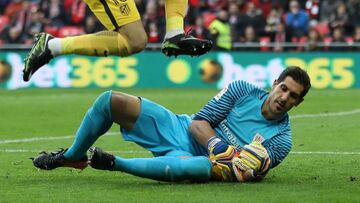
(125, 35)
(175, 11)
(174, 167)
(176, 42)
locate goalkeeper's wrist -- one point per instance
(216, 145)
(212, 142)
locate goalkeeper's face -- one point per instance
(283, 96)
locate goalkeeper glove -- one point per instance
(252, 163)
(221, 155)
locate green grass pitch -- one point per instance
(324, 165)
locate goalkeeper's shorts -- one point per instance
(162, 132)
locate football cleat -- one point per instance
(52, 160)
(38, 56)
(184, 44)
(101, 160)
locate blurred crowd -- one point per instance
(266, 25)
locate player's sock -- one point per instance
(96, 122)
(175, 13)
(167, 168)
(54, 46)
(102, 43)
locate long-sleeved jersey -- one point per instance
(235, 114)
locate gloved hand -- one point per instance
(252, 162)
(221, 155)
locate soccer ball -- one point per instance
(210, 71)
(222, 169)
(252, 163)
(241, 166)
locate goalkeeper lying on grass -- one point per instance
(237, 136)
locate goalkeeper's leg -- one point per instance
(165, 168)
(109, 107)
(96, 122)
(171, 168)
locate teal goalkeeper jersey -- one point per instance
(235, 114)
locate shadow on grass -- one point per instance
(106, 179)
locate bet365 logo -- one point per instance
(327, 72)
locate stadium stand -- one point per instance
(274, 22)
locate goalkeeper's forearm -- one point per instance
(201, 131)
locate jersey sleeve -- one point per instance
(219, 107)
(278, 147)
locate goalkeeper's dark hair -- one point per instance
(299, 75)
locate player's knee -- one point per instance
(102, 103)
(118, 102)
(139, 44)
(125, 109)
(103, 100)
(138, 41)
(135, 36)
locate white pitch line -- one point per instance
(38, 150)
(46, 138)
(331, 114)
(326, 153)
(36, 139)
(147, 152)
